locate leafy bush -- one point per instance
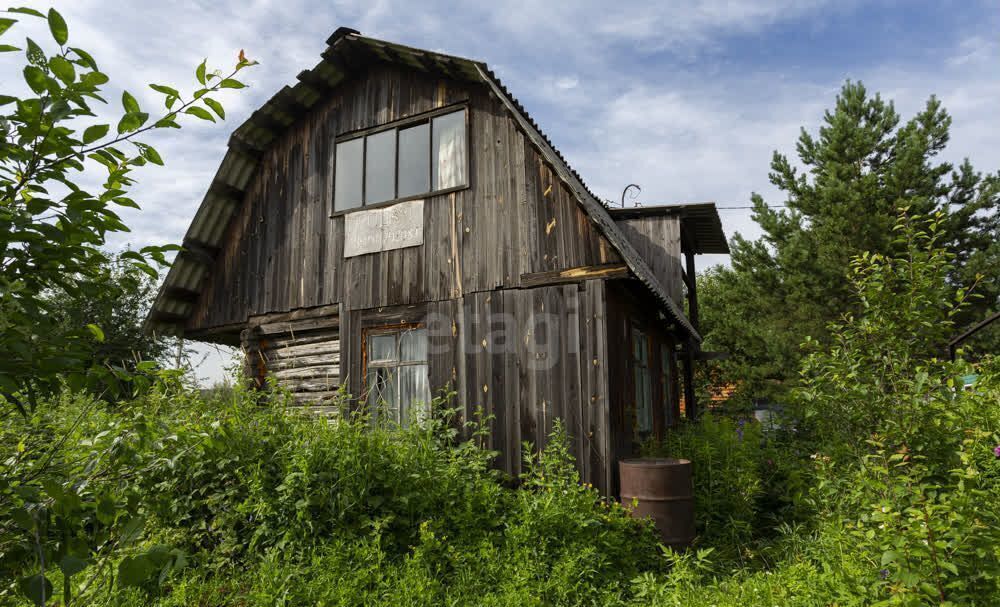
(883, 487)
(265, 504)
(728, 459)
(905, 459)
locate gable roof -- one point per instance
(348, 53)
(700, 224)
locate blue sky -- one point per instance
(687, 99)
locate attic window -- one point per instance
(420, 156)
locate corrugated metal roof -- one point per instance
(349, 52)
(700, 223)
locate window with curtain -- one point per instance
(396, 379)
(642, 383)
(415, 158)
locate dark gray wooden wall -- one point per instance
(284, 252)
(528, 357)
(519, 358)
(657, 239)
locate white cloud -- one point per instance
(565, 83)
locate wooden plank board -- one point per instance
(577, 274)
(304, 325)
(330, 373)
(278, 364)
(329, 346)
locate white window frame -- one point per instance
(403, 414)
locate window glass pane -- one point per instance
(413, 345)
(643, 383)
(383, 394)
(415, 393)
(639, 346)
(643, 411)
(380, 167)
(415, 160)
(449, 159)
(348, 174)
(382, 347)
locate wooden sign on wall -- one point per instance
(394, 227)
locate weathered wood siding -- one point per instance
(284, 251)
(303, 355)
(658, 240)
(521, 357)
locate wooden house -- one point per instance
(395, 222)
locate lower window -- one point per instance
(643, 384)
(396, 377)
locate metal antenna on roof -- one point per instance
(633, 196)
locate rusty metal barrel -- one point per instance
(662, 489)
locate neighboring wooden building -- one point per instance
(396, 223)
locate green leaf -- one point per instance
(35, 54)
(23, 519)
(72, 565)
(216, 107)
(53, 489)
(150, 154)
(167, 123)
(200, 72)
(57, 25)
(5, 99)
(25, 11)
(6, 48)
(60, 110)
(85, 58)
(35, 78)
(95, 132)
(37, 588)
(166, 90)
(134, 570)
(230, 83)
(63, 69)
(95, 79)
(106, 510)
(96, 332)
(131, 122)
(200, 113)
(132, 530)
(5, 24)
(129, 103)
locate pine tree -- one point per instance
(841, 200)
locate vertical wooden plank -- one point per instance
(511, 368)
(573, 403)
(602, 464)
(587, 371)
(471, 356)
(526, 376)
(462, 339)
